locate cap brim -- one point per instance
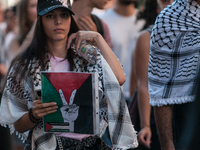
(45, 11)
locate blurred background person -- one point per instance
(145, 124)
(110, 4)
(3, 69)
(124, 30)
(1, 13)
(7, 19)
(7, 33)
(11, 30)
(27, 15)
(88, 21)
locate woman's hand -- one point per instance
(39, 110)
(89, 36)
(144, 137)
(42, 109)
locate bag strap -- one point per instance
(98, 23)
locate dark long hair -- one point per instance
(150, 12)
(38, 49)
(24, 23)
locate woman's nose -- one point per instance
(58, 20)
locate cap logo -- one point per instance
(64, 2)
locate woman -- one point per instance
(147, 135)
(55, 29)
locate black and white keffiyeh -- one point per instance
(18, 98)
(174, 53)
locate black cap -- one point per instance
(45, 6)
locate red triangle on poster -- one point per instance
(67, 82)
(48, 126)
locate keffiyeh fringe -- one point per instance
(122, 132)
(171, 101)
(21, 136)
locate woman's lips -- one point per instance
(58, 30)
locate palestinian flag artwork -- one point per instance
(76, 95)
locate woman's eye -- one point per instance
(65, 15)
(49, 16)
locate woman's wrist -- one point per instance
(145, 126)
(96, 39)
(31, 116)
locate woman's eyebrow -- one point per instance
(65, 10)
(51, 11)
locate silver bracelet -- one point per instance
(59, 142)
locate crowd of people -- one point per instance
(147, 60)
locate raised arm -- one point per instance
(104, 48)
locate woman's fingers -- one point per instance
(39, 101)
(78, 38)
(41, 109)
(37, 104)
(78, 41)
(70, 38)
(39, 113)
(88, 36)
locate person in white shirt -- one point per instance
(124, 30)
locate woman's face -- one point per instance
(32, 10)
(11, 19)
(56, 24)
